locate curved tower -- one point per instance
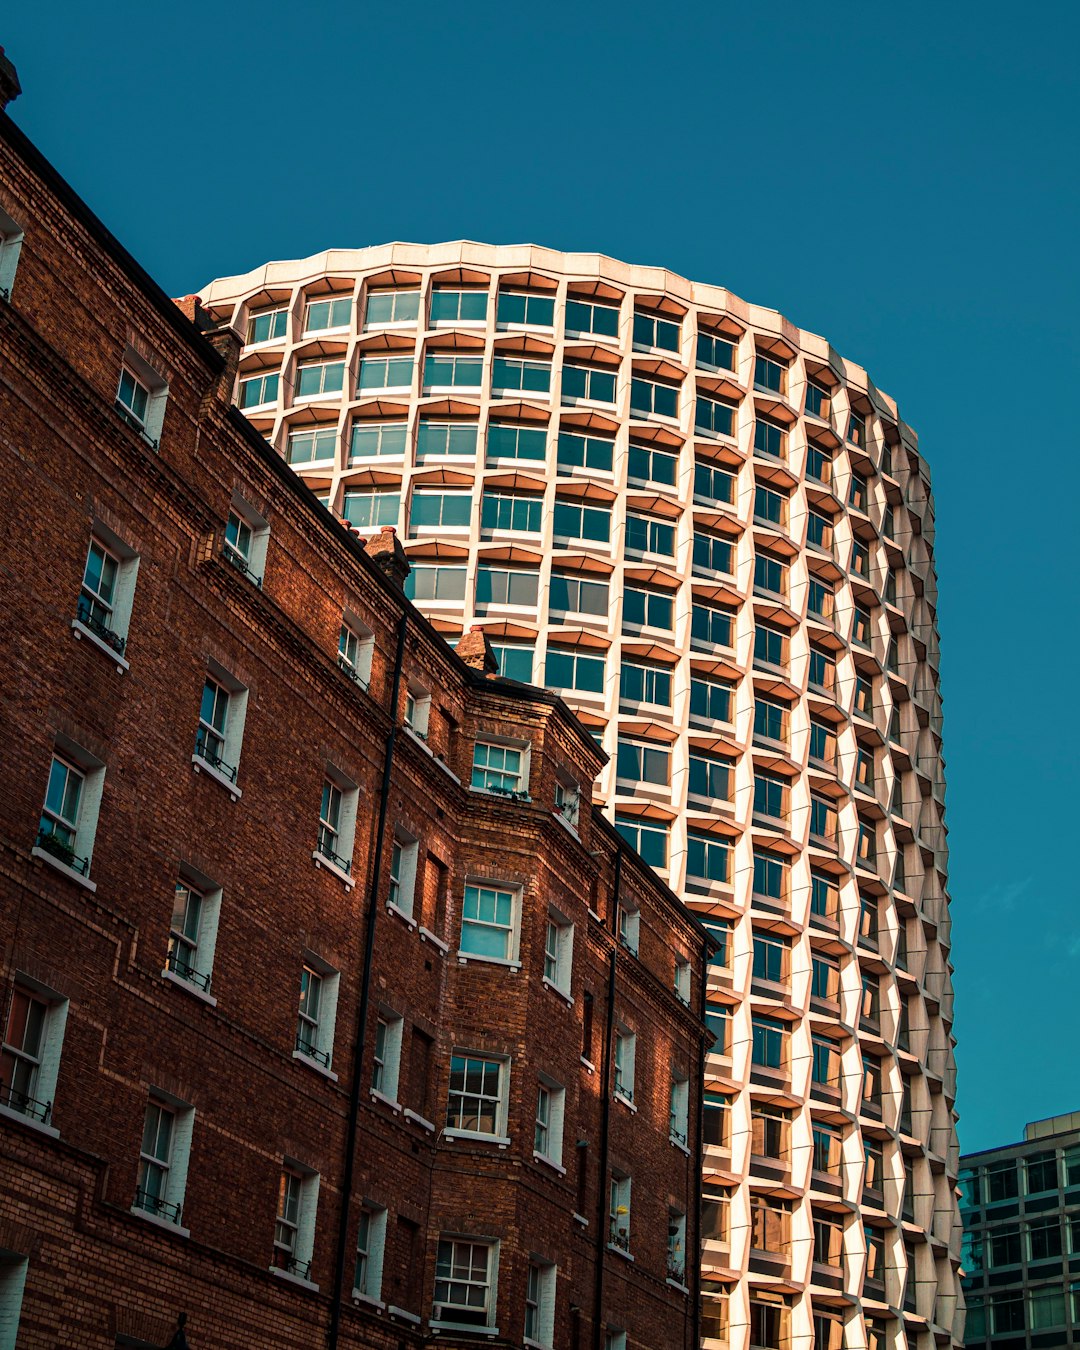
(715, 536)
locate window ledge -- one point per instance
(463, 1326)
(63, 868)
(420, 1120)
(625, 1101)
(200, 765)
(314, 1064)
(294, 1279)
(193, 989)
(675, 1284)
(681, 1147)
(368, 1300)
(322, 861)
(419, 740)
(549, 1162)
(570, 829)
(9, 1113)
(465, 957)
(426, 935)
(588, 1064)
(619, 1252)
(406, 919)
(80, 631)
(470, 1137)
(377, 1096)
(560, 993)
(405, 1316)
(166, 1225)
(581, 1219)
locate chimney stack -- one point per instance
(10, 88)
(475, 650)
(385, 551)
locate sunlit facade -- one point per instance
(715, 537)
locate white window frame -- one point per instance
(315, 1048)
(676, 1273)
(502, 1100)
(322, 365)
(630, 926)
(331, 298)
(372, 1231)
(417, 708)
(624, 1059)
(194, 974)
(550, 1097)
(302, 1228)
(182, 1117)
(108, 633)
(404, 861)
(491, 1285)
(157, 392)
(343, 842)
(269, 312)
(396, 293)
(46, 1059)
(251, 562)
(317, 435)
(386, 1057)
(682, 979)
(540, 1290)
(512, 930)
(232, 735)
(679, 1112)
(356, 647)
(567, 800)
(11, 242)
(619, 1212)
(13, 1268)
(558, 953)
(84, 825)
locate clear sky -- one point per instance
(901, 178)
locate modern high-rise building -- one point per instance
(714, 536)
(1021, 1209)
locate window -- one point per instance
(818, 464)
(648, 609)
(817, 401)
(874, 1166)
(356, 646)
(267, 326)
(370, 1246)
(649, 398)
(193, 931)
(770, 795)
(294, 1228)
(770, 875)
(768, 1325)
(646, 535)
(625, 1054)
(864, 769)
(489, 922)
(824, 977)
(141, 395)
(317, 1012)
(498, 768)
(257, 390)
(317, 378)
(417, 709)
(864, 696)
(858, 493)
(511, 511)
(676, 1246)
(435, 510)
(13, 1266)
(540, 1304)
(392, 307)
(619, 1211)
(573, 669)
(713, 484)
(825, 1063)
(720, 930)
(403, 859)
(713, 417)
(823, 818)
(770, 439)
(584, 317)
(713, 553)
(710, 776)
(587, 382)
(577, 451)
(69, 816)
(629, 926)
(866, 845)
(714, 352)
(645, 684)
(770, 1128)
(386, 1057)
(505, 441)
(220, 732)
(515, 663)
(857, 429)
(679, 1112)
(819, 531)
(652, 331)
(712, 625)
(770, 646)
(558, 951)
(822, 670)
(875, 1255)
(772, 957)
(718, 1024)
(524, 308)
(385, 372)
(770, 574)
(450, 370)
(769, 1048)
(860, 626)
(824, 895)
(108, 591)
(465, 1278)
(871, 1082)
(439, 440)
(1006, 1313)
(771, 719)
(769, 376)
(163, 1159)
(574, 594)
(711, 700)
(369, 510)
(548, 1126)
(649, 465)
(567, 800)
(330, 312)
(449, 306)
(1040, 1171)
(319, 445)
(1044, 1237)
(337, 821)
(770, 1224)
(643, 762)
(575, 520)
(770, 507)
(648, 837)
(827, 1151)
(708, 857)
(30, 1056)
(436, 583)
(476, 1103)
(512, 374)
(717, 1123)
(246, 537)
(860, 559)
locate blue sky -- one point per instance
(901, 178)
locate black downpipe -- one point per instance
(605, 1124)
(697, 1171)
(365, 1000)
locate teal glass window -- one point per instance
(515, 663)
(768, 375)
(487, 925)
(448, 370)
(392, 306)
(319, 377)
(710, 776)
(711, 699)
(330, 312)
(770, 958)
(453, 306)
(713, 553)
(511, 511)
(438, 440)
(640, 762)
(517, 307)
(373, 439)
(708, 857)
(430, 509)
(506, 586)
(435, 583)
(257, 390)
(713, 484)
(370, 509)
(577, 451)
(770, 574)
(652, 331)
(507, 441)
(648, 397)
(715, 352)
(267, 326)
(568, 669)
(769, 1039)
(572, 594)
(822, 668)
(771, 719)
(818, 464)
(646, 535)
(770, 646)
(510, 373)
(645, 684)
(647, 836)
(645, 464)
(575, 520)
(385, 372)
(770, 506)
(309, 447)
(713, 625)
(816, 403)
(857, 430)
(770, 874)
(770, 795)
(769, 439)
(649, 609)
(583, 316)
(824, 895)
(714, 417)
(820, 598)
(588, 382)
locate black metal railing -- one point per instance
(676, 1269)
(307, 1047)
(85, 615)
(325, 848)
(215, 761)
(619, 1236)
(677, 1135)
(179, 965)
(153, 1204)
(25, 1104)
(294, 1266)
(350, 670)
(237, 559)
(50, 843)
(622, 1090)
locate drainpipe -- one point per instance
(605, 1125)
(365, 1000)
(698, 1168)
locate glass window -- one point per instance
(568, 669)
(578, 451)
(575, 520)
(710, 776)
(506, 441)
(511, 511)
(714, 352)
(392, 306)
(769, 439)
(330, 312)
(714, 417)
(452, 306)
(708, 857)
(256, 390)
(503, 586)
(769, 376)
(818, 464)
(435, 583)
(644, 534)
(652, 331)
(574, 594)
(770, 506)
(650, 398)
(769, 1042)
(584, 316)
(713, 484)
(824, 895)
(516, 307)
(711, 699)
(645, 684)
(308, 447)
(771, 719)
(770, 574)
(1040, 1170)
(385, 372)
(367, 510)
(770, 645)
(648, 837)
(497, 768)
(267, 326)
(649, 609)
(642, 762)
(487, 920)
(515, 663)
(432, 509)
(475, 1094)
(713, 553)
(510, 373)
(648, 465)
(710, 624)
(816, 403)
(771, 957)
(435, 440)
(588, 382)
(770, 874)
(449, 370)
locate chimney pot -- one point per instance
(475, 650)
(385, 551)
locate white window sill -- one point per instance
(463, 1326)
(80, 631)
(406, 919)
(419, 740)
(314, 1064)
(419, 1119)
(426, 935)
(186, 985)
(625, 1101)
(63, 868)
(405, 1316)
(570, 829)
(560, 993)
(323, 862)
(368, 1300)
(581, 1219)
(681, 1147)
(465, 957)
(588, 1064)
(549, 1162)
(9, 1113)
(618, 1251)
(294, 1279)
(377, 1096)
(470, 1137)
(674, 1284)
(201, 765)
(165, 1224)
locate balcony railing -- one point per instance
(85, 614)
(178, 964)
(350, 670)
(325, 849)
(25, 1104)
(305, 1046)
(203, 751)
(293, 1265)
(154, 1204)
(236, 558)
(64, 853)
(619, 1236)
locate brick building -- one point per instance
(333, 1014)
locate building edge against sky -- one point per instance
(715, 537)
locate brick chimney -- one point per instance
(475, 650)
(10, 88)
(385, 551)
